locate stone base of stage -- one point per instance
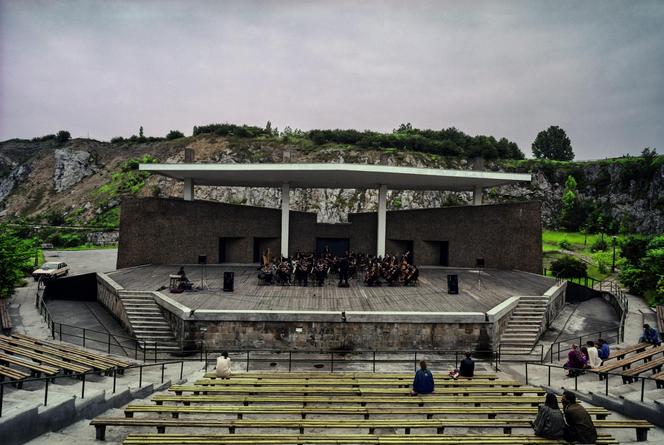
(332, 318)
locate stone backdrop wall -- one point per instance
(173, 231)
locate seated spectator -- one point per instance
(467, 366)
(580, 426)
(576, 362)
(223, 369)
(593, 355)
(549, 422)
(650, 335)
(603, 349)
(423, 383)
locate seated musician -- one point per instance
(284, 272)
(321, 272)
(185, 284)
(411, 276)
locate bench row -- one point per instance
(100, 424)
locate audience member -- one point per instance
(603, 351)
(467, 366)
(549, 422)
(223, 370)
(580, 426)
(593, 355)
(576, 362)
(650, 335)
(423, 382)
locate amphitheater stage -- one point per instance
(257, 316)
(479, 290)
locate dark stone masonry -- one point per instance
(174, 231)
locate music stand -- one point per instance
(202, 260)
(479, 263)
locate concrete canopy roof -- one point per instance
(334, 176)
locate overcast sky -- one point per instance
(511, 69)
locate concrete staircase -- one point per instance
(148, 322)
(525, 326)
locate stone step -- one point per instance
(536, 323)
(517, 339)
(521, 330)
(137, 299)
(151, 324)
(140, 303)
(530, 312)
(515, 351)
(143, 311)
(154, 329)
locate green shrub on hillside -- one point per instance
(644, 272)
(569, 267)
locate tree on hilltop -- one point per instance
(553, 143)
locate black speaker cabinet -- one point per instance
(229, 281)
(453, 284)
(202, 259)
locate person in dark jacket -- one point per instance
(580, 426)
(549, 422)
(650, 335)
(423, 383)
(603, 349)
(467, 366)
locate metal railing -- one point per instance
(339, 359)
(82, 377)
(607, 334)
(605, 376)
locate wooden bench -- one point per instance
(179, 389)
(112, 361)
(5, 319)
(35, 368)
(41, 358)
(627, 362)
(346, 376)
(65, 356)
(13, 374)
(659, 379)
(621, 353)
(632, 374)
(100, 423)
(362, 400)
(429, 412)
(344, 439)
(356, 383)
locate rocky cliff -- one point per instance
(83, 180)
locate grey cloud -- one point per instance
(502, 68)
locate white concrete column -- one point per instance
(382, 217)
(477, 195)
(285, 218)
(188, 189)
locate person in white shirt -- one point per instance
(593, 355)
(223, 370)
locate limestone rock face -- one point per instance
(9, 182)
(71, 166)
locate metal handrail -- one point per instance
(82, 375)
(576, 376)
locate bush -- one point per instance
(117, 140)
(599, 245)
(569, 267)
(174, 134)
(62, 136)
(564, 244)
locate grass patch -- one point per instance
(92, 247)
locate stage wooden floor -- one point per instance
(493, 287)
